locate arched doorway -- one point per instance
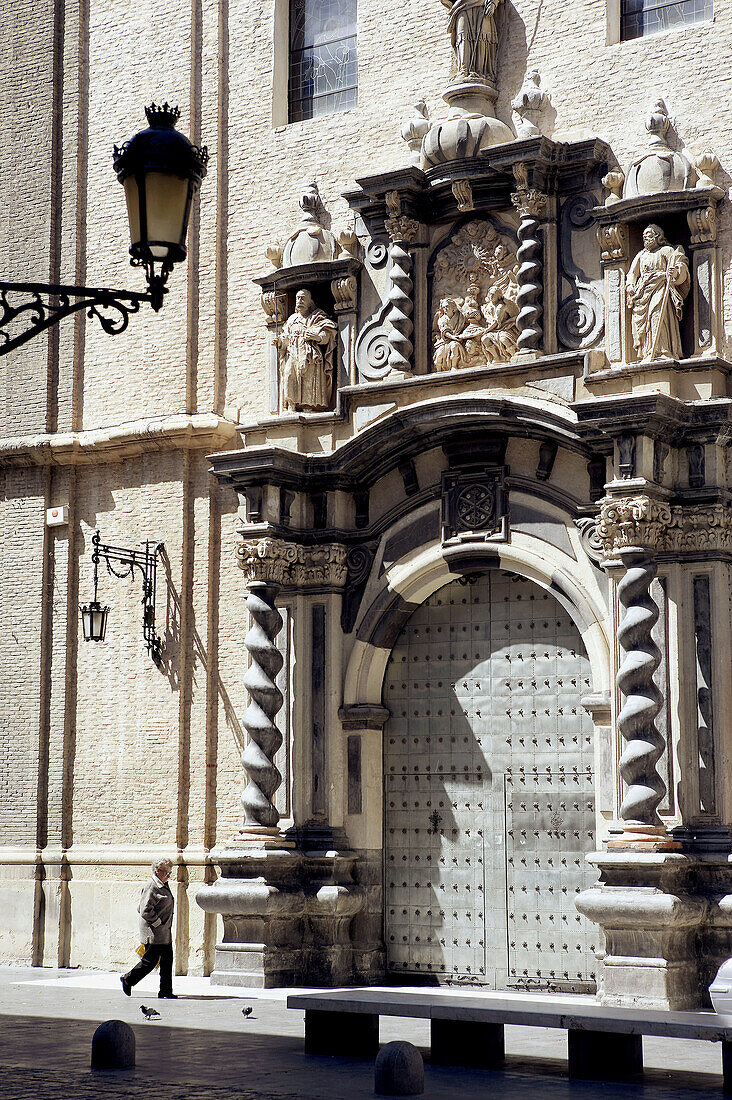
(489, 791)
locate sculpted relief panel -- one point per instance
(474, 291)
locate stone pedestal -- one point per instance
(286, 915)
(666, 920)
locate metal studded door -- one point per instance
(488, 790)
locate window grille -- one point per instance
(323, 60)
(642, 17)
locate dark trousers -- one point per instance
(153, 952)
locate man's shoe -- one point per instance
(167, 996)
(126, 987)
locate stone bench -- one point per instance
(467, 1029)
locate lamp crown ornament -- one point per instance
(163, 115)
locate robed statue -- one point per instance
(474, 36)
(658, 283)
(307, 348)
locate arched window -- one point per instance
(642, 17)
(323, 75)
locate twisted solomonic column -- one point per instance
(642, 700)
(531, 205)
(403, 231)
(628, 529)
(265, 701)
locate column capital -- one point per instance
(637, 522)
(288, 564)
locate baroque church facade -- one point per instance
(436, 471)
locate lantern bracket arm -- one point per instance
(146, 560)
(27, 309)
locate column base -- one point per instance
(286, 917)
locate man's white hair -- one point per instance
(162, 865)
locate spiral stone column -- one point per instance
(403, 232)
(260, 813)
(531, 205)
(642, 702)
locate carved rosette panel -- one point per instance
(532, 206)
(265, 701)
(642, 700)
(275, 561)
(474, 294)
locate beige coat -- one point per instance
(156, 912)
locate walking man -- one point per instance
(156, 920)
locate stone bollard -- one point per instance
(113, 1046)
(399, 1071)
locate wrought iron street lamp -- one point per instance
(161, 171)
(94, 616)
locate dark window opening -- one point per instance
(323, 61)
(642, 17)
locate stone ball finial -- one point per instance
(399, 1071)
(312, 241)
(113, 1046)
(660, 168)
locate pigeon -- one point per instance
(247, 1011)
(149, 1013)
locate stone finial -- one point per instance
(348, 240)
(658, 125)
(414, 128)
(273, 252)
(613, 182)
(660, 168)
(528, 105)
(312, 241)
(706, 165)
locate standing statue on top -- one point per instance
(658, 283)
(474, 36)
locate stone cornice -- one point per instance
(660, 527)
(202, 431)
(290, 565)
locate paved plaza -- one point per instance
(204, 1048)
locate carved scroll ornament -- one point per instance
(286, 563)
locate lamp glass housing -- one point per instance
(94, 621)
(158, 205)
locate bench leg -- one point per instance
(465, 1043)
(604, 1054)
(344, 1034)
(726, 1066)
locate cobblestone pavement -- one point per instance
(203, 1048)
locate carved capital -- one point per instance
(288, 564)
(463, 193)
(401, 228)
(344, 293)
(626, 522)
(530, 203)
(614, 242)
(703, 224)
(275, 306)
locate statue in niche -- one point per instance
(658, 283)
(471, 25)
(475, 282)
(307, 349)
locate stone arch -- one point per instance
(414, 579)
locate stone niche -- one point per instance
(333, 289)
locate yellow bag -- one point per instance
(140, 950)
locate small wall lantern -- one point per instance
(94, 616)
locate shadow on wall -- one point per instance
(171, 661)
